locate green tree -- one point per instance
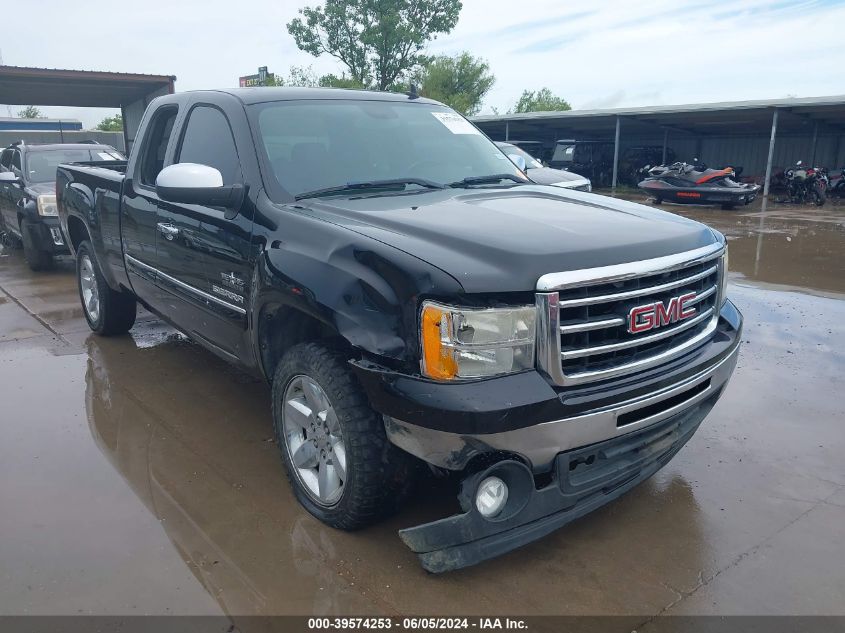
(377, 40)
(333, 81)
(540, 101)
(111, 124)
(31, 112)
(460, 81)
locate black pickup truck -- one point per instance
(27, 194)
(411, 296)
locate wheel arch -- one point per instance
(280, 326)
(77, 232)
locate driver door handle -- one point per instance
(169, 231)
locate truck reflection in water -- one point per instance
(249, 561)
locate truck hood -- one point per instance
(549, 176)
(503, 240)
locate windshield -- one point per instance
(564, 153)
(530, 161)
(313, 145)
(41, 165)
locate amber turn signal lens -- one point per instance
(438, 360)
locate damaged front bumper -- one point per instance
(582, 480)
(587, 445)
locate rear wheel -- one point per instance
(107, 311)
(37, 259)
(334, 447)
(819, 196)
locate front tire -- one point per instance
(341, 466)
(107, 311)
(36, 258)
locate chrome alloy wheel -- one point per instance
(89, 288)
(314, 440)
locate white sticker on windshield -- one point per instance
(455, 122)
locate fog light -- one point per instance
(491, 497)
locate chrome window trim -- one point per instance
(551, 282)
(184, 286)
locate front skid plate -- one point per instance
(584, 480)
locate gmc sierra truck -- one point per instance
(411, 295)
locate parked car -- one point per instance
(535, 148)
(27, 194)
(545, 175)
(411, 296)
(591, 159)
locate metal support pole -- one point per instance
(665, 142)
(768, 176)
(507, 130)
(813, 146)
(616, 155)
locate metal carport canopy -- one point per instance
(131, 92)
(740, 118)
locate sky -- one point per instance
(596, 55)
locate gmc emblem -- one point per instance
(654, 315)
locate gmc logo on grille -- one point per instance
(655, 315)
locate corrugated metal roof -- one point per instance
(722, 106)
(24, 69)
(22, 85)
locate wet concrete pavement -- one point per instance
(139, 475)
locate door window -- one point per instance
(208, 140)
(155, 145)
(6, 159)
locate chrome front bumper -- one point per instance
(541, 443)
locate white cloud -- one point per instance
(606, 54)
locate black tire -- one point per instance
(117, 310)
(819, 196)
(376, 471)
(728, 207)
(658, 201)
(36, 258)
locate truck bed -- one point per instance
(92, 191)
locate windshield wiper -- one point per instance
(486, 180)
(399, 183)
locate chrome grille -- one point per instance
(583, 324)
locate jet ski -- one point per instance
(696, 184)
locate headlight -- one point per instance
(474, 343)
(723, 277)
(47, 205)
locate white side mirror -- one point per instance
(189, 176)
(190, 183)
